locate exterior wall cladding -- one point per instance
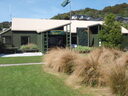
(16, 37)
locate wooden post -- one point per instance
(88, 37)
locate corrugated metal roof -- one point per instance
(41, 25)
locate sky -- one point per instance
(45, 9)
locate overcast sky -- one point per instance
(47, 8)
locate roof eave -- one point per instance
(24, 30)
(53, 28)
(5, 31)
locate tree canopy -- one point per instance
(111, 35)
(118, 10)
(5, 25)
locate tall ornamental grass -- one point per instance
(118, 76)
(61, 60)
(100, 67)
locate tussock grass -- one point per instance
(105, 61)
(123, 60)
(118, 80)
(61, 60)
(118, 76)
(92, 69)
(79, 76)
(101, 67)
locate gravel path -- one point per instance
(4, 65)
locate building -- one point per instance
(122, 19)
(81, 17)
(49, 33)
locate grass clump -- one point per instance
(91, 69)
(118, 76)
(118, 80)
(82, 73)
(105, 61)
(61, 60)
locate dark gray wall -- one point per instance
(8, 33)
(125, 41)
(41, 40)
(18, 34)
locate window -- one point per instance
(7, 40)
(74, 40)
(25, 40)
(125, 34)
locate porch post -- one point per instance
(99, 41)
(70, 27)
(88, 37)
(42, 50)
(70, 35)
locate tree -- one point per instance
(5, 24)
(110, 35)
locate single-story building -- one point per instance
(48, 33)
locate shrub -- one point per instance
(29, 48)
(61, 60)
(83, 49)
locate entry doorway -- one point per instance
(56, 41)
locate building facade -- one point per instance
(48, 33)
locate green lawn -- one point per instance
(15, 60)
(32, 81)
